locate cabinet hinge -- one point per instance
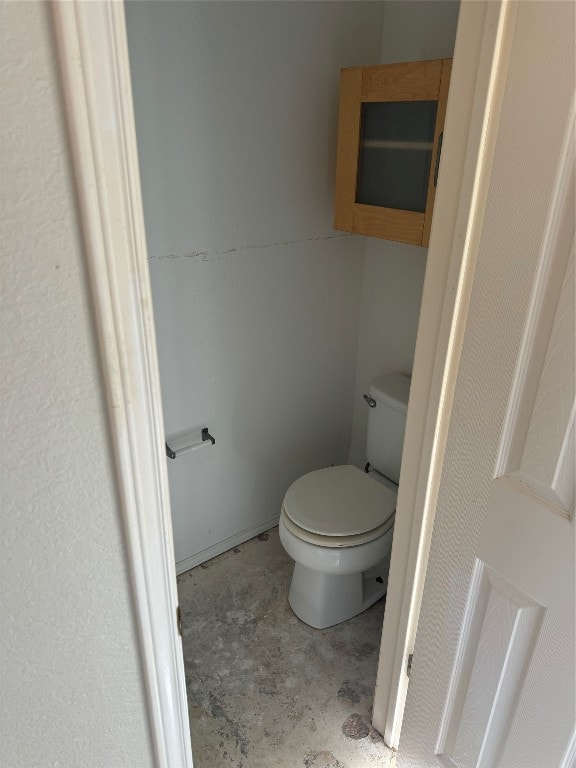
(179, 620)
(409, 665)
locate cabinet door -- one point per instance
(390, 125)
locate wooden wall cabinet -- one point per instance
(390, 124)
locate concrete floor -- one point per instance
(264, 689)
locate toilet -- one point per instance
(337, 523)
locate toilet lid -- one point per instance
(339, 501)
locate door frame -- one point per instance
(96, 84)
(93, 57)
(479, 69)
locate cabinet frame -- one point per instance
(410, 81)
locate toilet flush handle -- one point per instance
(370, 400)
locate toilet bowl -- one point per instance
(336, 524)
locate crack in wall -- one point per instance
(212, 255)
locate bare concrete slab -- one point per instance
(264, 689)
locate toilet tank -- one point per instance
(386, 423)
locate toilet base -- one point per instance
(322, 600)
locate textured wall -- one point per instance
(71, 688)
(393, 272)
(256, 297)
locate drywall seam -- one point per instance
(212, 256)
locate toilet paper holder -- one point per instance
(183, 442)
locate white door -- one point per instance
(493, 676)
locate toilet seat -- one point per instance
(335, 542)
(340, 504)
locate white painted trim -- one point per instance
(223, 546)
(94, 64)
(478, 73)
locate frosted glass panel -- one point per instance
(396, 142)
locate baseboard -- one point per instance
(222, 546)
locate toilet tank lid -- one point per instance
(393, 390)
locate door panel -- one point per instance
(493, 680)
(538, 442)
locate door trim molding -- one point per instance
(95, 74)
(478, 74)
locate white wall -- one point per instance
(71, 688)
(393, 272)
(256, 297)
(419, 30)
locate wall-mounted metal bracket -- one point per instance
(207, 436)
(169, 452)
